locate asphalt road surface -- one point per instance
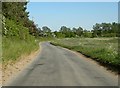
(56, 66)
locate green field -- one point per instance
(103, 50)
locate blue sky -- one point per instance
(72, 14)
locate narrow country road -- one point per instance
(56, 66)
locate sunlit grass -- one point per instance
(13, 48)
(104, 50)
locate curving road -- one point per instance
(56, 66)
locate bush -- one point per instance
(11, 29)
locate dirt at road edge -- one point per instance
(12, 69)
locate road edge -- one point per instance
(15, 69)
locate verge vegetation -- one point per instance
(18, 32)
(103, 50)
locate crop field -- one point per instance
(103, 50)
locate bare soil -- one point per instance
(13, 68)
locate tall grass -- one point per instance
(14, 47)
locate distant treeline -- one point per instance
(99, 30)
(16, 22)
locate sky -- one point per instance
(72, 14)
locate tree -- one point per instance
(78, 31)
(59, 34)
(66, 31)
(105, 29)
(16, 11)
(87, 33)
(96, 30)
(46, 31)
(115, 28)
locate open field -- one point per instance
(103, 50)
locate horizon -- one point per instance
(72, 14)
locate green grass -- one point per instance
(103, 50)
(16, 41)
(13, 48)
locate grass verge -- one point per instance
(103, 50)
(14, 47)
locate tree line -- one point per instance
(99, 30)
(15, 20)
(18, 22)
